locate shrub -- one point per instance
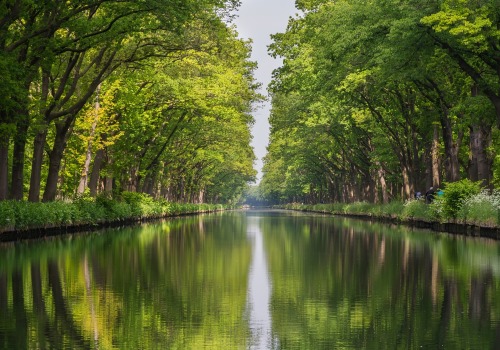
(7, 214)
(140, 203)
(454, 195)
(481, 209)
(416, 209)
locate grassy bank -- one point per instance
(17, 216)
(480, 209)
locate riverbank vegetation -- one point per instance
(104, 97)
(462, 202)
(377, 101)
(86, 210)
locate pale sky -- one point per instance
(257, 20)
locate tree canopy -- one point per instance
(379, 100)
(99, 96)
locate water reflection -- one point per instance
(251, 280)
(349, 284)
(259, 291)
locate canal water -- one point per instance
(251, 280)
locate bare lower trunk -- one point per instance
(17, 183)
(147, 186)
(496, 103)
(451, 151)
(108, 181)
(383, 184)
(86, 166)
(88, 155)
(435, 178)
(480, 163)
(55, 158)
(108, 184)
(39, 143)
(407, 185)
(53, 175)
(36, 166)
(96, 170)
(4, 169)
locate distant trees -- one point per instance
(149, 96)
(378, 100)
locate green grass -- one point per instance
(481, 209)
(21, 215)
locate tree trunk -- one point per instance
(435, 178)
(86, 166)
(88, 155)
(108, 180)
(480, 162)
(451, 150)
(39, 142)
(55, 158)
(36, 166)
(496, 103)
(4, 169)
(148, 184)
(108, 184)
(407, 184)
(96, 170)
(368, 187)
(383, 184)
(17, 184)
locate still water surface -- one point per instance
(251, 280)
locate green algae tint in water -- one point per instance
(251, 280)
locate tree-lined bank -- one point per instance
(22, 219)
(379, 100)
(103, 96)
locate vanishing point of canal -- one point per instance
(251, 280)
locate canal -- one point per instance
(251, 280)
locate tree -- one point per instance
(374, 84)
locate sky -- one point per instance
(257, 20)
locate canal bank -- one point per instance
(26, 220)
(457, 228)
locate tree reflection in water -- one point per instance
(313, 282)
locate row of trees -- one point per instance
(150, 96)
(382, 99)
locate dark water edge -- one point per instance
(50, 231)
(468, 230)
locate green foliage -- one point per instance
(7, 214)
(468, 205)
(481, 209)
(368, 91)
(417, 209)
(358, 208)
(163, 88)
(17, 215)
(455, 193)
